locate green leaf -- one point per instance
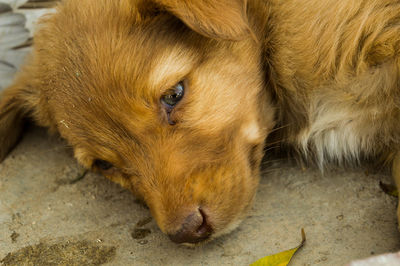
(282, 258)
(389, 189)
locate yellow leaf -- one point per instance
(282, 258)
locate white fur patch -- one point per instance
(251, 132)
(337, 133)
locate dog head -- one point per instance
(166, 98)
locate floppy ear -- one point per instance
(15, 104)
(220, 19)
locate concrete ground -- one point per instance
(49, 215)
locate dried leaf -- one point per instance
(282, 258)
(389, 189)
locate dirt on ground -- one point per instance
(53, 212)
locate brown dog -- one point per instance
(173, 99)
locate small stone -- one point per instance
(340, 217)
(143, 242)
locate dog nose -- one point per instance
(195, 229)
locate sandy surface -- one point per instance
(50, 215)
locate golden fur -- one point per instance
(323, 75)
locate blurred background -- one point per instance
(18, 22)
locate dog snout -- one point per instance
(195, 228)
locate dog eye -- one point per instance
(103, 165)
(173, 95)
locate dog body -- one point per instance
(335, 67)
(174, 99)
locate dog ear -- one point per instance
(15, 104)
(222, 19)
